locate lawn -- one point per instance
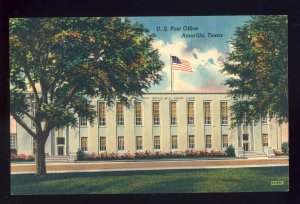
(161, 181)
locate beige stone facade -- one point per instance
(164, 122)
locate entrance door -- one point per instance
(60, 151)
(246, 142)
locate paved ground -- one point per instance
(17, 168)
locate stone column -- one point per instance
(52, 133)
(67, 140)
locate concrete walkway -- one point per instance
(103, 166)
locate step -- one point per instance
(57, 158)
(253, 154)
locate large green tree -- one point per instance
(259, 62)
(64, 62)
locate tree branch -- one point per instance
(47, 130)
(71, 94)
(52, 84)
(32, 85)
(21, 122)
(28, 115)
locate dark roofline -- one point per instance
(168, 92)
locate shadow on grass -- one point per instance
(31, 177)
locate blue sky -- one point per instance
(206, 55)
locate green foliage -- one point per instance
(13, 151)
(259, 63)
(230, 151)
(67, 62)
(285, 148)
(80, 155)
(64, 61)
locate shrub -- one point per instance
(285, 148)
(80, 155)
(13, 156)
(278, 153)
(21, 157)
(13, 151)
(90, 156)
(230, 151)
(30, 158)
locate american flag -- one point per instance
(180, 64)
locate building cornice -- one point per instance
(151, 93)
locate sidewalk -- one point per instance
(101, 166)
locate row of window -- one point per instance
(139, 142)
(156, 115)
(13, 141)
(156, 146)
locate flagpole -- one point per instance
(171, 62)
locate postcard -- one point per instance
(130, 105)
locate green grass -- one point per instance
(161, 181)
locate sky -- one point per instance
(205, 54)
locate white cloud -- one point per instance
(206, 66)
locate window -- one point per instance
(207, 116)
(156, 142)
(139, 142)
(174, 142)
(225, 141)
(156, 113)
(101, 114)
(13, 141)
(245, 124)
(245, 129)
(265, 140)
(121, 143)
(83, 121)
(190, 117)
(224, 113)
(245, 137)
(33, 112)
(191, 141)
(33, 146)
(60, 132)
(84, 144)
(245, 120)
(120, 113)
(173, 113)
(208, 141)
(264, 119)
(138, 113)
(102, 144)
(60, 140)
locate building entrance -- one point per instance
(60, 151)
(246, 142)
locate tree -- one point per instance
(67, 61)
(259, 62)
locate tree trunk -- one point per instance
(40, 158)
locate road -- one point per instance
(101, 166)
